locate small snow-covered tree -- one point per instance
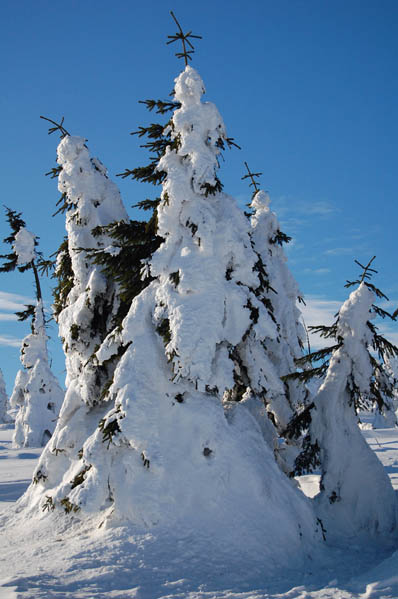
(279, 293)
(36, 394)
(4, 403)
(386, 412)
(355, 491)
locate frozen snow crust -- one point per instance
(166, 447)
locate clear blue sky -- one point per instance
(307, 88)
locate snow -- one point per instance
(67, 557)
(24, 246)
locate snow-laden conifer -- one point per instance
(386, 414)
(37, 396)
(37, 393)
(4, 403)
(177, 448)
(355, 495)
(282, 292)
(86, 302)
(279, 293)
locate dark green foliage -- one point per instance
(264, 288)
(280, 238)
(163, 329)
(74, 332)
(221, 141)
(134, 242)
(69, 506)
(148, 204)
(240, 374)
(65, 277)
(54, 172)
(162, 106)
(63, 205)
(105, 389)
(56, 451)
(48, 504)
(175, 277)
(179, 397)
(79, 478)
(109, 428)
(191, 226)
(158, 142)
(334, 497)
(25, 314)
(299, 423)
(145, 460)
(254, 312)
(38, 476)
(308, 460)
(212, 189)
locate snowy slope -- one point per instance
(82, 561)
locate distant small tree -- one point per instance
(36, 394)
(385, 414)
(4, 403)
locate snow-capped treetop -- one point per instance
(265, 238)
(24, 246)
(206, 273)
(92, 199)
(282, 292)
(353, 331)
(34, 346)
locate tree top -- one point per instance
(185, 40)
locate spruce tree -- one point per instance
(173, 444)
(86, 299)
(37, 395)
(279, 293)
(4, 403)
(355, 491)
(386, 413)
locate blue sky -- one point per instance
(307, 88)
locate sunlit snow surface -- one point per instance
(82, 561)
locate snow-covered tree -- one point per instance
(386, 413)
(4, 404)
(174, 444)
(279, 293)
(36, 395)
(87, 301)
(355, 491)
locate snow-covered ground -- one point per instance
(65, 558)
